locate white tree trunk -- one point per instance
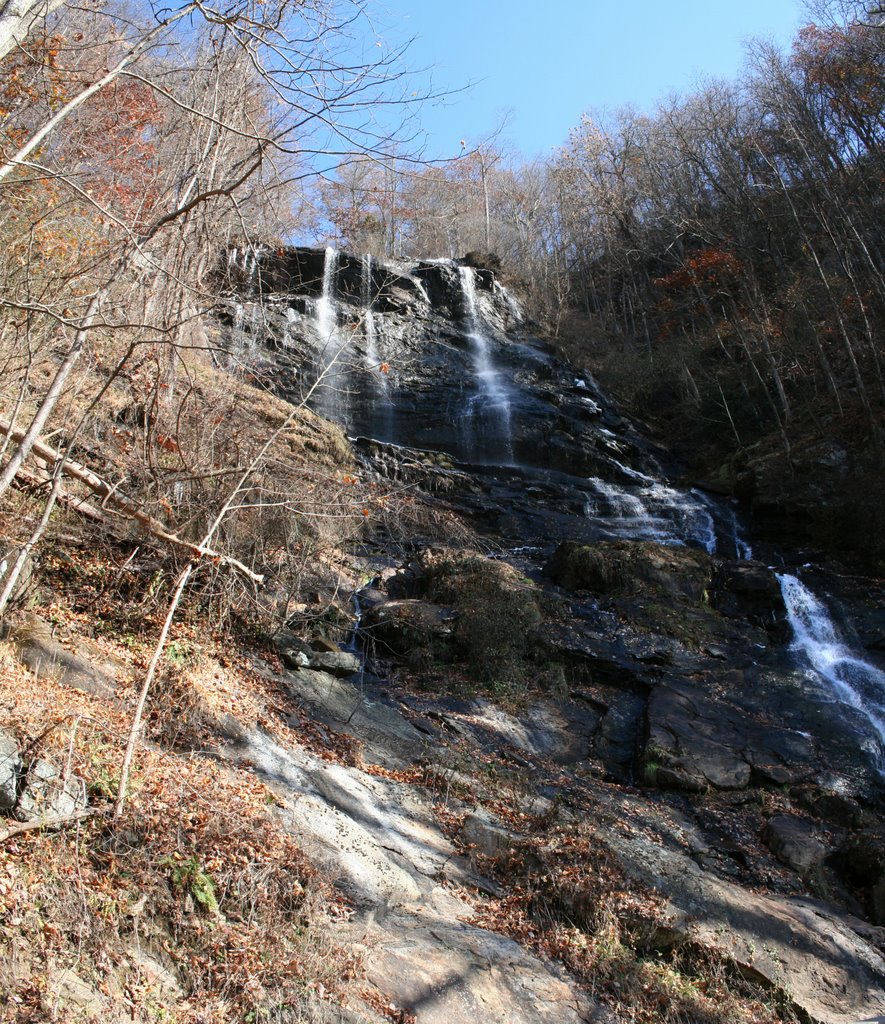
(18, 17)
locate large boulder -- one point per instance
(628, 567)
(402, 626)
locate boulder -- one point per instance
(337, 663)
(794, 841)
(630, 567)
(47, 794)
(294, 659)
(10, 769)
(399, 627)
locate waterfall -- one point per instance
(292, 318)
(373, 360)
(331, 374)
(742, 549)
(513, 307)
(383, 418)
(651, 511)
(490, 404)
(325, 311)
(246, 333)
(852, 680)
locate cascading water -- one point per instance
(373, 362)
(332, 391)
(489, 407)
(651, 510)
(510, 302)
(853, 680)
(325, 312)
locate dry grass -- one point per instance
(566, 896)
(198, 906)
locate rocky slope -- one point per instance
(576, 767)
(679, 701)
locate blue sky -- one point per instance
(547, 61)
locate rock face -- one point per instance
(382, 842)
(831, 973)
(609, 655)
(35, 647)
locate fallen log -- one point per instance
(122, 503)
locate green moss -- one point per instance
(498, 618)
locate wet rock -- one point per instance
(707, 736)
(833, 807)
(750, 590)
(795, 842)
(618, 738)
(10, 768)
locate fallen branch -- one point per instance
(112, 496)
(25, 479)
(53, 822)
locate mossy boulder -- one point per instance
(495, 613)
(627, 568)
(401, 627)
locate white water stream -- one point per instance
(373, 363)
(491, 401)
(651, 510)
(325, 310)
(373, 360)
(852, 680)
(331, 371)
